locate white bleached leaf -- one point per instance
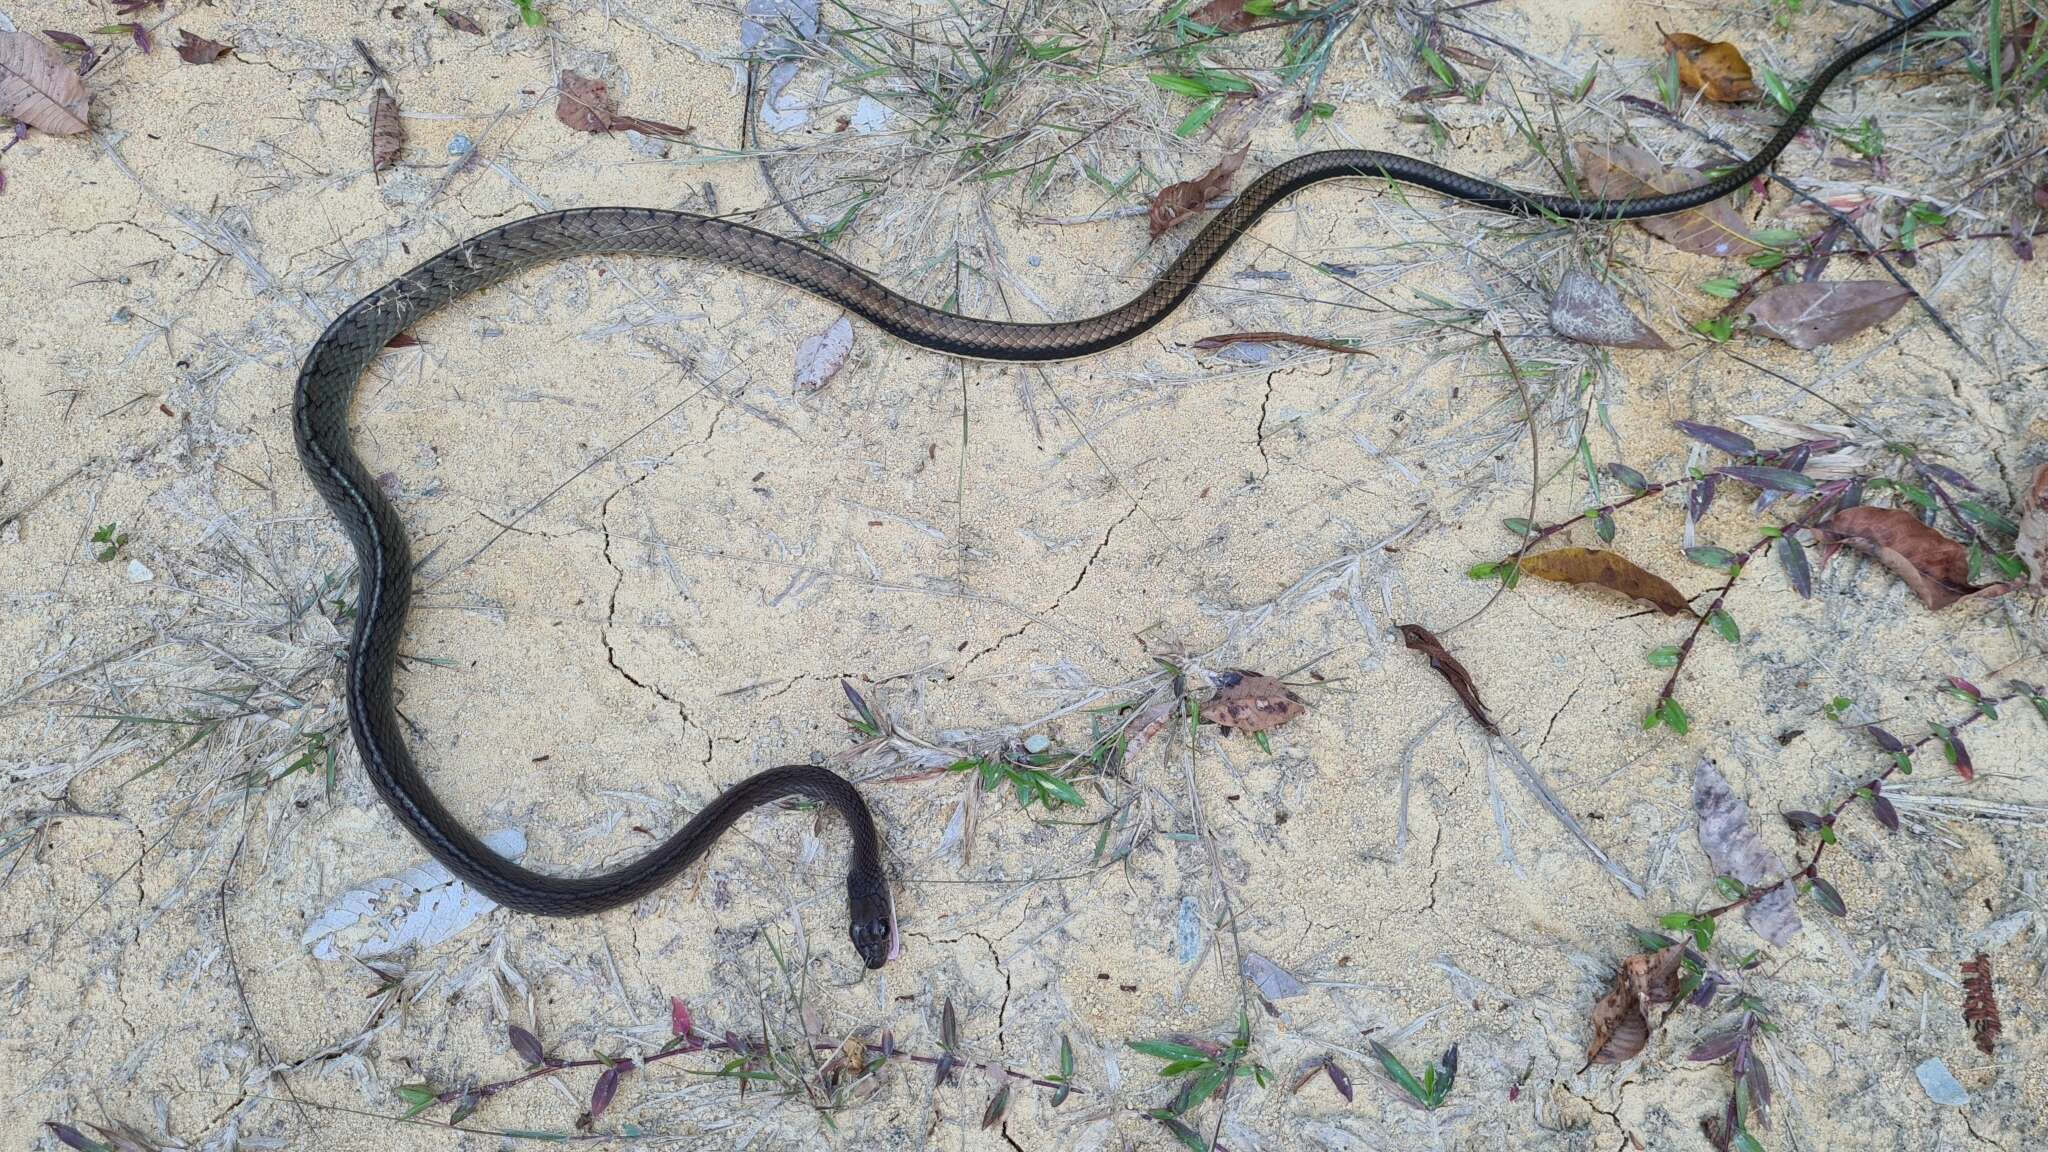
(1592, 312)
(417, 908)
(1272, 981)
(1735, 849)
(820, 357)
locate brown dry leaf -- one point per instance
(1623, 171)
(1251, 702)
(1621, 1020)
(1714, 69)
(1226, 339)
(461, 21)
(1177, 202)
(1935, 567)
(199, 50)
(583, 103)
(1422, 640)
(1592, 312)
(1608, 570)
(387, 131)
(2033, 539)
(1807, 315)
(39, 87)
(1225, 16)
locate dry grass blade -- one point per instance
(39, 87)
(1226, 339)
(1623, 170)
(1808, 315)
(1607, 570)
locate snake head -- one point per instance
(872, 925)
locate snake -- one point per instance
(328, 378)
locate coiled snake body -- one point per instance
(327, 384)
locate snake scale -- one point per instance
(327, 385)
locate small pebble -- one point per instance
(1941, 1084)
(139, 573)
(1188, 933)
(1037, 743)
(460, 145)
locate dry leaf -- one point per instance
(461, 22)
(1608, 570)
(387, 131)
(1734, 848)
(819, 358)
(1623, 171)
(1225, 16)
(1935, 567)
(583, 103)
(1807, 315)
(1715, 69)
(1226, 339)
(1621, 1020)
(586, 105)
(1592, 312)
(199, 50)
(1251, 702)
(1177, 202)
(1422, 640)
(39, 87)
(2033, 539)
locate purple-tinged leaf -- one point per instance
(1828, 898)
(943, 1070)
(1966, 688)
(679, 1021)
(73, 1138)
(1792, 558)
(1810, 315)
(1797, 456)
(465, 1107)
(527, 1045)
(1759, 1081)
(1885, 740)
(1947, 475)
(949, 1027)
(1804, 821)
(860, 704)
(1701, 498)
(1704, 994)
(76, 43)
(1627, 477)
(1770, 479)
(999, 1104)
(1715, 1048)
(607, 1087)
(888, 1043)
(1339, 1079)
(1887, 815)
(1726, 439)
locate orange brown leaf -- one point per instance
(1608, 570)
(1935, 567)
(1252, 702)
(1714, 69)
(1621, 1021)
(1177, 202)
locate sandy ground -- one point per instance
(700, 554)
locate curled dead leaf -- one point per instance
(2033, 539)
(1714, 69)
(1621, 1022)
(586, 104)
(1422, 640)
(1809, 314)
(1590, 311)
(39, 87)
(819, 358)
(461, 21)
(1608, 570)
(387, 131)
(1225, 16)
(1623, 171)
(1251, 702)
(1177, 202)
(199, 50)
(1935, 567)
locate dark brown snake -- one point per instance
(327, 383)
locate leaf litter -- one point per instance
(39, 87)
(819, 358)
(1734, 849)
(1714, 69)
(586, 104)
(1610, 570)
(1590, 311)
(1935, 567)
(1810, 314)
(1251, 702)
(1622, 171)
(1622, 1019)
(1177, 202)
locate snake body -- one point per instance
(327, 384)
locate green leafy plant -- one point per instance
(111, 540)
(1433, 1087)
(1202, 1068)
(530, 14)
